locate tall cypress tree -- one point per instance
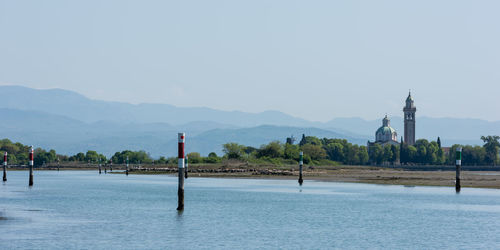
(303, 140)
(439, 142)
(402, 157)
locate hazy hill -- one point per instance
(79, 107)
(70, 123)
(69, 136)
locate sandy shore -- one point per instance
(478, 179)
(358, 174)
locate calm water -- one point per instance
(82, 209)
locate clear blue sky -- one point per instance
(313, 59)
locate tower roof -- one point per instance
(409, 98)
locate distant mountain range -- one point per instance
(69, 123)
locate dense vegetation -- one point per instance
(316, 152)
(331, 151)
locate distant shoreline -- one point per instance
(353, 174)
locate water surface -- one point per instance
(82, 209)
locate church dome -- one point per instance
(386, 133)
(385, 130)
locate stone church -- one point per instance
(386, 135)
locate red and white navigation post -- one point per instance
(32, 163)
(5, 166)
(180, 162)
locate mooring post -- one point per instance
(180, 162)
(458, 163)
(58, 164)
(105, 168)
(99, 164)
(126, 170)
(5, 166)
(186, 168)
(32, 163)
(301, 162)
(111, 165)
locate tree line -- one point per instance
(339, 151)
(325, 151)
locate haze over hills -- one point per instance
(69, 136)
(71, 123)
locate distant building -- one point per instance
(409, 112)
(385, 134)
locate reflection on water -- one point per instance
(82, 209)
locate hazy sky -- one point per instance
(313, 59)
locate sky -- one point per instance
(316, 60)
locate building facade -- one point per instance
(409, 120)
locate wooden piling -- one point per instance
(186, 168)
(458, 164)
(301, 163)
(180, 163)
(105, 168)
(111, 165)
(99, 164)
(31, 163)
(58, 162)
(5, 166)
(126, 170)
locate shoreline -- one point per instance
(350, 174)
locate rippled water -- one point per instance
(82, 209)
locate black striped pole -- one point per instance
(186, 169)
(180, 163)
(5, 166)
(99, 164)
(126, 170)
(32, 163)
(301, 162)
(458, 164)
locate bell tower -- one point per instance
(409, 112)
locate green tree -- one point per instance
(387, 153)
(491, 146)
(303, 140)
(272, 150)
(316, 152)
(395, 153)
(412, 154)
(376, 153)
(233, 150)
(291, 151)
(91, 156)
(194, 157)
(363, 155)
(335, 151)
